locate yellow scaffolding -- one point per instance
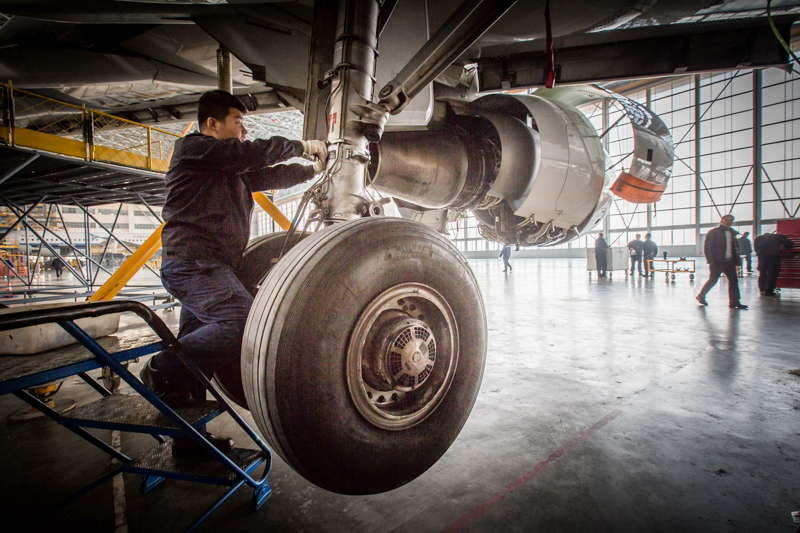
(50, 125)
(54, 126)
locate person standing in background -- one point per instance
(58, 266)
(505, 253)
(746, 249)
(650, 250)
(600, 254)
(768, 250)
(636, 247)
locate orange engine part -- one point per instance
(637, 190)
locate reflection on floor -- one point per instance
(607, 405)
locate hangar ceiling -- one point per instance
(149, 60)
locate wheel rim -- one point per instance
(402, 356)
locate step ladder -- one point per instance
(143, 413)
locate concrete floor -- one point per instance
(607, 405)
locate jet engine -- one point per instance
(532, 168)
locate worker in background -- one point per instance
(209, 203)
(722, 253)
(746, 249)
(601, 255)
(650, 250)
(636, 247)
(505, 253)
(58, 265)
(768, 249)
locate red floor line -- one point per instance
(474, 514)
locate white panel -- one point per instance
(566, 188)
(586, 175)
(404, 34)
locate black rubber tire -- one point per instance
(295, 349)
(257, 259)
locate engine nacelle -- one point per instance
(531, 167)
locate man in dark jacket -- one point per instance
(745, 249)
(210, 183)
(768, 250)
(650, 250)
(636, 247)
(601, 255)
(722, 253)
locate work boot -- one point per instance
(179, 394)
(186, 447)
(702, 299)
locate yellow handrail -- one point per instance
(272, 210)
(131, 266)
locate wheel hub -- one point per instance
(402, 356)
(410, 356)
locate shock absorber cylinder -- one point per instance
(349, 111)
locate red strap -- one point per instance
(550, 75)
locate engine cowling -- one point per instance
(530, 167)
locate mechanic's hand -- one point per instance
(316, 148)
(320, 165)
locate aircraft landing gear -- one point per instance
(364, 352)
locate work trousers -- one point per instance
(769, 267)
(727, 267)
(748, 261)
(602, 263)
(214, 310)
(636, 259)
(647, 264)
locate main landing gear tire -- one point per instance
(364, 352)
(258, 258)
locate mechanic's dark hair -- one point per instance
(216, 104)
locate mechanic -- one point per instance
(209, 202)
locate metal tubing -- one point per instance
(19, 218)
(697, 179)
(39, 405)
(42, 241)
(107, 360)
(214, 506)
(34, 380)
(39, 251)
(13, 171)
(108, 241)
(456, 35)
(757, 168)
(93, 383)
(35, 317)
